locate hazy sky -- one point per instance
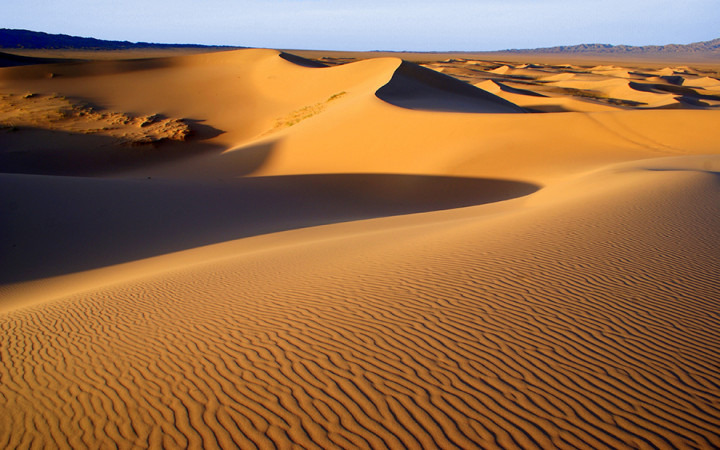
(375, 24)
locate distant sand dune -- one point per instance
(703, 82)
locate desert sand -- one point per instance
(248, 249)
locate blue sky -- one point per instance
(420, 25)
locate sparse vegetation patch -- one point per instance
(304, 113)
(55, 112)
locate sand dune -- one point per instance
(416, 87)
(364, 255)
(500, 70)
(703, 82)
(559, 77)
(621, 89)
(594, 88)
(489, 86)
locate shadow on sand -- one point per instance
(58, 225)
(53, 152)
(420, 88)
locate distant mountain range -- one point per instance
(697, 47)
(25, 39)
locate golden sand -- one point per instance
(240, 249)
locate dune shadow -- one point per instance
(420, 88)
(80, 68)
(677, 80)
(58, 225)
(547, 109)
(32, 150)
(513, 90)
(300, 61)
(199, 129)
(13, 60)
(709, 169)
(683, 91)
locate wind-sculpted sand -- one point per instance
(368, 255)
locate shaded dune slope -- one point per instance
(417, 87)
(67, 153)
(83, 69)
(11, 60)
(117, 220)
(300, 61)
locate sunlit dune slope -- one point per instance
(248, 87)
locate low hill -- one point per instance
(696, 47)
(25, 39)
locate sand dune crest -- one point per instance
(416, 87)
